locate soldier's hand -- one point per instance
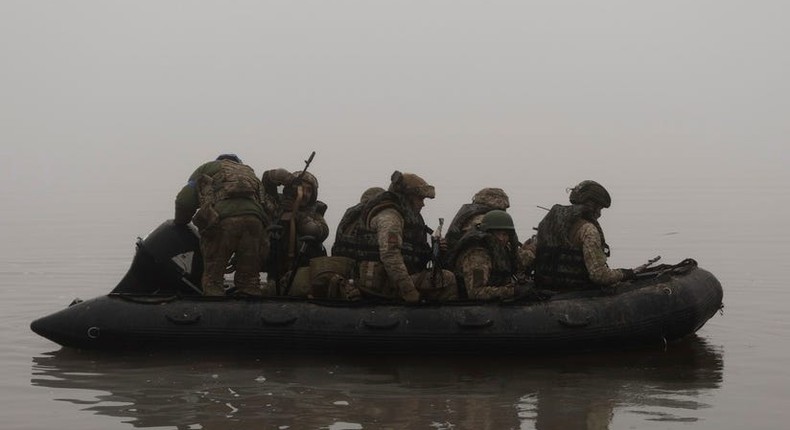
(443, 245)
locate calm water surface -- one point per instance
(732, 374)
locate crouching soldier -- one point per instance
(488, 260)
(226, 195)
(390, 245)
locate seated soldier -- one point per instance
(391, 246)
(488, 261)
(571, 251)
(471, 214)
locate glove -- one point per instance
(628, 274)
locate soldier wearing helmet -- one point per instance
(488, 261)
(390, 244)
(571, 250)
(230, 218)
(300, 215)
(471, 214)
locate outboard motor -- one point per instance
(168, 261)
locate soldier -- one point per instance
(488, 261)
(391, 248)
(226, 195)
(300, 215)
(571, 250)
(471, 214)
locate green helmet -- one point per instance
(497, 220)
(590, 191)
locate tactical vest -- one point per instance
(360, 242)
(559, 263)
(503, 262)
(233, 180)
(466, 213)
(352, 238)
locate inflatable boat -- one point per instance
(158, 304)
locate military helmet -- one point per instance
(493, 197)
(308, 178)
(590, 191)
(411, 184)
(497, 220)
(231, 157)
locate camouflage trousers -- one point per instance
(443, 287)
(241, 235)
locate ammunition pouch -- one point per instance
(329, 278)
(301, 283)
(372, 275)
(206, 217)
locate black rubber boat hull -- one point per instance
(650, 311)
(158, 303)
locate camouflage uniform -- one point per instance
(471, 214)
(489, 265)
(391, 248)
(308, 219)
(571, 249)
(486, 266)
(231, 221)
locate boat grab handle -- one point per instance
(183, 319)
(567, 321)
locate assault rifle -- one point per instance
(294, 210)
(307, 162)
(641, 268)
(649, 263)
(295, 262)
(277, 260)
(275, 235)
(436, 255)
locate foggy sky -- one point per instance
(121, 100)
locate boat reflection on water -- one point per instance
(195, 389)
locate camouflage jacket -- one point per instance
(401, 240)
(571, 251)
(212, 173)
(484, 266)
